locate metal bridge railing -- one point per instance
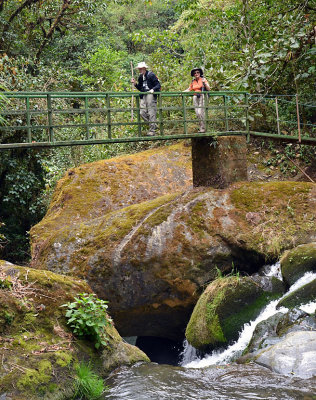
(69, 118)
(45, 119)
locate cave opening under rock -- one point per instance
(159, 350)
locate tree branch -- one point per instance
(26, 4)
(1, 5)
(62, 11)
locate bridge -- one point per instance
(50, 119)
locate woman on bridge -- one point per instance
(198, 85)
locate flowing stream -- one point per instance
(215, 376)
(235, 350)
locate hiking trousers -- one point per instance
(198, 103)
(148, 110)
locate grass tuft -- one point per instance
(88, 386)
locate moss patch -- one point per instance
(63, 358)
(296, 262)
(32, 378)
(283, 210)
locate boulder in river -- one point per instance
(294, 355)
(297, 261)
(302, 295)
(223, 308)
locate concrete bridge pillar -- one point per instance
(217, 162)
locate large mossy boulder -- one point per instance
(131, 227)
(296, 262)
(222, 310)
(39, 353)
(93, 190)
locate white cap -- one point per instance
(142, 65)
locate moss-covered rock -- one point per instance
(152, 259)
(121, 353)
(297, 261)
(38, 351)
(93, 190)
(222, 310)
(303, 295)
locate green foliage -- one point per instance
(8, 317)
(3, 103)
(28, 28)
(219, 273)
(104, 68)
(88, 317)
(88, 386)
(234, 272)
(254, 45)
(2, 237)
(5, 284)
(288, 157)
(21, 183)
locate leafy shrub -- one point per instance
(88, 317)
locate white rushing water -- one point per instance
(190, 359)
(273, 270)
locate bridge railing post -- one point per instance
(206, 101)
(247, 116)
(108, 109)
(86, 113)
(185, 126)
(50, 118)
(160, 114)
(298, 118)
(139, 127)
(28, 119)
(225, 113)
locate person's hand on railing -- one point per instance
(151, 91)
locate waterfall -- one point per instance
(236, 349)
(273, 270)
(189, 354)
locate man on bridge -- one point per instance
(148, 83)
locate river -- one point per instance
(229, 382)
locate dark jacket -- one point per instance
(152, 82)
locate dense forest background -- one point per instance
(262, 46)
